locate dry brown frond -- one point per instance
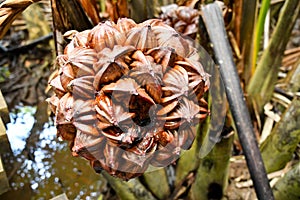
(9, 11)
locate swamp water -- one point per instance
(40, 166)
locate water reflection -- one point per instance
(40, 166)
(18, 130)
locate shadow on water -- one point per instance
(39, 165)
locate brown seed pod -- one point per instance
(88, 146)
(82, 86)
(109, 68)
(85, 118)
(187, 112)
(165, 56)
(56, 84)
(141, 37)
(176, 83)
(64, 110)
(172, 39)
(105, 35)
(66, 131)
(78, 39)
(125, 24)
(66, 75)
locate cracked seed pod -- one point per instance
(182, 18)
(128, 95)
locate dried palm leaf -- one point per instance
(9, 11)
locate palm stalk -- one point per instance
(293, 77)
(248, 20)
(212, 174)
(288, 187)
(283, 140)
(261, 86)
(188, 162)
(215, 27)
(132, 190)
(67, 15)
(146, 9)
(258, 31)
(157, 182)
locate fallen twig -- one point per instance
(26, 47)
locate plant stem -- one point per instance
(157, 182)
(67, 15)
(212, 174)
(131, 190)
(215, 26)
(288, 187)
(259, 30)
(248, 20)
(283, 140)
(261, 86)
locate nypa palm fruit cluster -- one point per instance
(183, 19)
(128, 95)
